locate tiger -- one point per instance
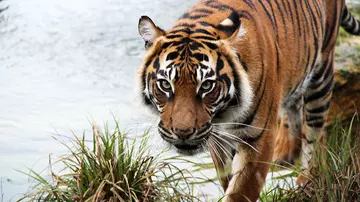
(220, 77)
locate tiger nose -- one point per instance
(183, 133)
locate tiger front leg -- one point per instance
(249, 169)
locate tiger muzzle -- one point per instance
(185, 139)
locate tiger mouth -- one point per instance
(187, 147)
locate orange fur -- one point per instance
(287, 147)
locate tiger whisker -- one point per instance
(213, 147)
(237, 99)
(215, 135)
(235, 138)
(217, 149)
(240, 124)
(222, 147)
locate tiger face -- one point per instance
(191, 75)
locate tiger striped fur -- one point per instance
(220, 77)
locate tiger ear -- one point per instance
(149, 31)
(230, 26)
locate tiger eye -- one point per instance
(165, 85)
(206, 85)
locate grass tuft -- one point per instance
(111, 169)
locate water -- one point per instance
(62, 64)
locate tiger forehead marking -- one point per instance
(186, 59)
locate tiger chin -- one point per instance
(222, 74)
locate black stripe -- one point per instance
(320, 72)
(321, 93)
(156, 63)
(234, 74)
(297, 17)
(201, 57)
(318, 110)
(225, 78)
(203, 31)
(284, 6)
(307, 61)
(204, 38)
(233, 152)
(311, 117)
(219, 6)
(206, 24)
(202, 10)
(267, 13)
(291, 15)
(319, 124)
(192, 17)
(166, 45)
(250, 4)
(314, 26)
(242, 62)
(268, 117)
(249, 119)
(316, 85)
(170, 65)
(345, 14)
(186, 30)
(304, 14)
(195, 46)
(172, 56)
(312, 63)
(174, 36)
(277, 59)
(331, 30)
(219, 65)
(210, 45)
(274, 16)
(245, 14)
(253, 140)
(319, 16)
(185, 25)
(282, 17)
(147, 64)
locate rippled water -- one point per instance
(63, 63)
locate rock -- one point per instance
(346, 94)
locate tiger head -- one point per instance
(190, 75)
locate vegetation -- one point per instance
(335, 175)
(111, 169)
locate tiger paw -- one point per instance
(302, 179)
